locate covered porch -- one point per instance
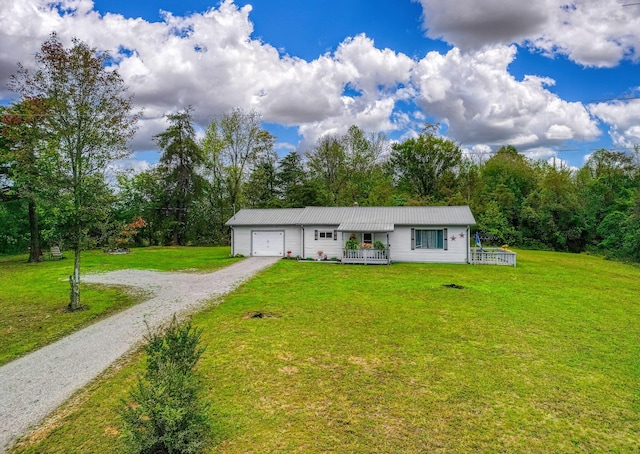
(360, 247)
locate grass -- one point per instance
(540, 358)
(34, 295)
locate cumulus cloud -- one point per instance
(481, 103)
(211, 61)
(590, 32)
(469, 24)
(623, 119)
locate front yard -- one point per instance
(393, 359)
(33, 296)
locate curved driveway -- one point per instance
(33, 386)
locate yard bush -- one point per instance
(166, 413)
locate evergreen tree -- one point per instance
(178, 165)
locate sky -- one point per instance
(557, 79)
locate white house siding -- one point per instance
(241, 238)
(457, 250)
(329, 247)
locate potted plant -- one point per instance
(351, 244)
(379, 245)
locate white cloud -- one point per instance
(481, 103)
(477, 154)
(469, 24)
(541, 154)
(590, 32)
(623, 118)
(211, 61)
(285, 147)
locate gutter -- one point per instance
(302, 251)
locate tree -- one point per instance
(367, 184)
(425, 166)
(607, 184)
(142, 195)
(261, 187)
(508, 178)
(167, 412)
(233, 144)
(89, 121)
(294, 186)
(551, 214)
(25, 158)
(178, 164)
(327, 163)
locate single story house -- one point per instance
(406, 234)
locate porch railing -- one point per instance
(492, 256)
(365, 256)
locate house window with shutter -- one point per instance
(325, 235)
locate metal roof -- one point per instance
(266, 216)
(443, 215)
(434, 216)
(367, 227)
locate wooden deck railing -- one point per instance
(365, 256)
(492, 256)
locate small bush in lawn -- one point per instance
(165, 413)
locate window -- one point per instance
(326, 235)
(367, 238)
(429, 239)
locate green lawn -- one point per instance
(541, 358)
(33, 296)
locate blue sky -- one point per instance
(542, 76)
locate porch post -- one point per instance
(388, 250)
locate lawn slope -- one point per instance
(540, 358)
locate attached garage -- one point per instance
(267, 243)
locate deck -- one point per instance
(492, 256)
(365, 257)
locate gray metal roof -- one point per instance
(365, 227)
(436, 216)
(267, 216)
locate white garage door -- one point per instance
(268, 244)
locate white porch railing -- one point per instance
(365, 256)
(492, 256)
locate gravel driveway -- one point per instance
(33, 386)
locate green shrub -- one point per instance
(165, 413)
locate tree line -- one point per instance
(199, 182)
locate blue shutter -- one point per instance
(316, 234)
(446, 239)
(413, 239)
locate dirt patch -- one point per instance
(260, 314)
(288, 370)
(456, 286)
